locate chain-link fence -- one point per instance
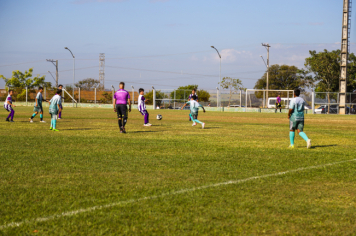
(328, 103)
(80, 95)
(317, 102)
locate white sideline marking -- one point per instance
(71, 213)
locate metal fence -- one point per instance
(318, 102)
(80, 96)
(328, 103)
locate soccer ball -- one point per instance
(159, 117)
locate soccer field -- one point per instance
(236, 176)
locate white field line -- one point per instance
(94, 208)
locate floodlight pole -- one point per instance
(73, 72)
(267, 47)
(219, 73)
(56, 65)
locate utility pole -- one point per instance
(267, 47)
(56, 65)
(345, 49)
(102, 69)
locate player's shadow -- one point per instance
(78, 129)
(323, 146)
(211, 127)
(141, 131)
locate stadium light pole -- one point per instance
(73, 72)
(267, 48)
(219, 72)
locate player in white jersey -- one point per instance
(296, 119)
(142, 107)
(9, 106)
(194, 108)
(194, 92)
(54, 109)
(38, 106)
(60, 113)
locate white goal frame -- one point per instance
(265, 98)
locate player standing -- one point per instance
(194, 108)
(60, 113)
(9, 106)
(38, 106)
(142, 107)
(54, 109)
(296, 118)
(194, 92)
(278, 104)
(121, 98)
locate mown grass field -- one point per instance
(172, 178)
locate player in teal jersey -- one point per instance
(296, 118)
(38, 105)
(54, 108)
(194, 108)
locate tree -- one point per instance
(23, 80)
(19, 81)
(183, 95)
(283, 77)
(233, 85)
(107, 97)
(326, 68)
(203, 95)
(149, 97)
(89, 84)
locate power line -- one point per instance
(22, 63)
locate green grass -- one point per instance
(89, 163)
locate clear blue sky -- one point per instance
(165, 36)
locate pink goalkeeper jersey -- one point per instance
(121, 96)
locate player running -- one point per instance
(194, 108)
(60, 113)
(194, 92)
(121, 98)
(54, 109)
(9, 106)
(38, 106)
(142, 107)
(296, 118)
(278, 104)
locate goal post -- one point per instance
(262, 98)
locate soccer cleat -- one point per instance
(291, 146)
(194, 124)
(31, 121)
(12, 121)
(59, 118)
(147, 125)
(7, 119)
(124, 131)
(309, 143)
(42, 121)
(202, 125)
(50, 128)
(55, 130)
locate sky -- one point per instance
(164, 43)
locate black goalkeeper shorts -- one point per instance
(122, 111)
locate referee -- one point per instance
(121, 99)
